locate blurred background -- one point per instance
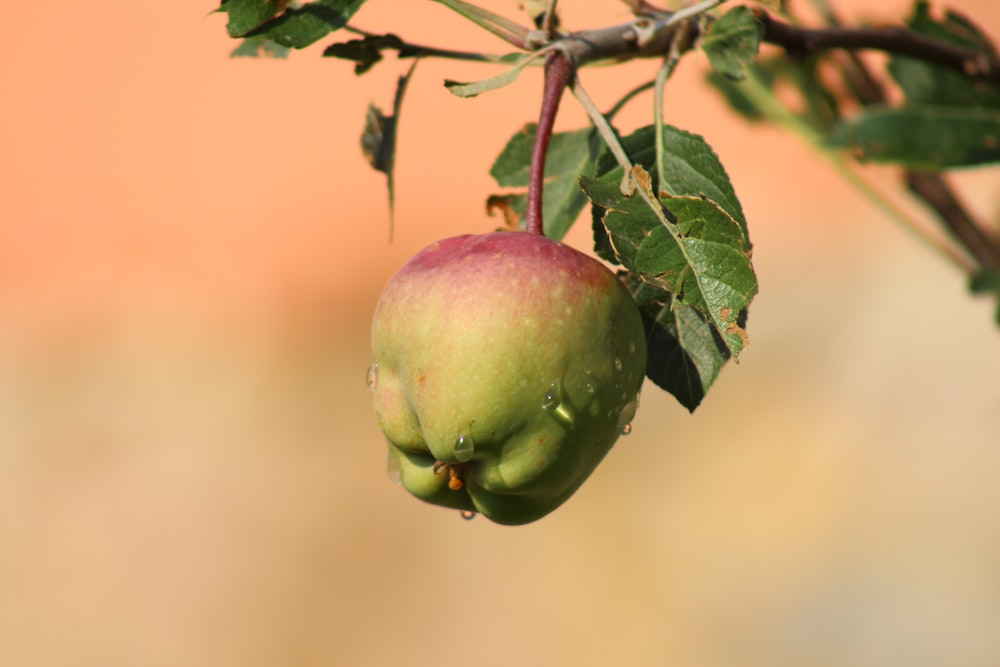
(191, 247)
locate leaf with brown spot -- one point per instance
(511, 206)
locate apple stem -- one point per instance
(558, 74)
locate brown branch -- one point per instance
(634, 39)
(799, 41)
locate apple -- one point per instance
(506, 365)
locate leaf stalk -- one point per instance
(607, 133)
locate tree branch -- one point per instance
(652, 34)
(409, 50)
(799, 41)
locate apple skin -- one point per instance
(508, 362)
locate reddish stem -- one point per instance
(558, 74)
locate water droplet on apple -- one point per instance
(553, 403)
(465, 448)
(373, 376)
(468, 515)
(618, 364)
(394, 470)
(627, 414)
(551, 400)
(591, 388)
(631, 347)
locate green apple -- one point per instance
(505, 367)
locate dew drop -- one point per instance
(395, 470)
(627, 414)
(631, 347)
(618, 364)
(373, 376)
(468, 515)
(551, 400)
(591, 388)
(465, 448)
(553, 403)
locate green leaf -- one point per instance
(378, 140)
(299, 27)
(537, 9)
(512, 206)
(259, 47)
(735, 96)
(494, 82)
(691, 166)
(947, 120)
(245, 15)
(924, 137)
(733, 42)
(686, 354)
(602, 241)
(507, 30)
(363, 52)
(987, 282)
(570, 156)
(818, 107)
(691, 248)
(478, 87)
(924, 83)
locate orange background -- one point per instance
(190, 473)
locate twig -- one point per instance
(409, 50)
(691, 12)
(509, 31)
(641, 38)
(799, 41)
